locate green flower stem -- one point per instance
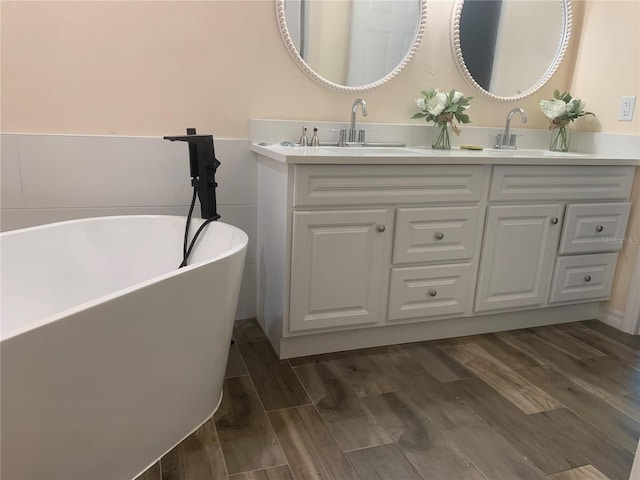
(560, 139)
(442, 141)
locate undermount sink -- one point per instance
(351, 151)
(534, 152)
(548, 153)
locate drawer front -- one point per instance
(514, 183)
(434, 234)
(320, 185)
(428, 291)
(583, 277)
(594, 227)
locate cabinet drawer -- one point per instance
(529, 182)
(428, 291)
(434, 234)
(594, 227)
(319, 185)
(583, 277)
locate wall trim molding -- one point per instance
(631, 317)
(611, 317)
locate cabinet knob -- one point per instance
(554, 220)
(587, 278)
(599, 228)
(439, 235)
(432, 292)
(381, 228)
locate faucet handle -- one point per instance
(315, 141)
(513, 137)
(506, 141)
(303, 138)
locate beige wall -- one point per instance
(607, 64)
(149, 68)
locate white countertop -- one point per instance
(425, 156)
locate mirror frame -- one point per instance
(553, 66)
(293, 51)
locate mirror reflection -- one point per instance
(508, 46)
(353, 42)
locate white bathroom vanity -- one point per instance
(367, 247)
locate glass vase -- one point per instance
(560, 137)
(441, 136)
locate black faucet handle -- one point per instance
(203, 166)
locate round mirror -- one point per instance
(508, 49)
(351, 45)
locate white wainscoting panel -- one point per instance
(12, 219)
(11, 189)
(68, 171)
(245, 218)
(237, 176)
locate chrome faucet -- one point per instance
(352, 130)
(507, 140)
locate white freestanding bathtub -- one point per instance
(110, 354)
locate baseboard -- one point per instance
(611, 317)
(632, 307)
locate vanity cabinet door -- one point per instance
(519, 250)
(339, 268)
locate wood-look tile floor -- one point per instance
(557, 403)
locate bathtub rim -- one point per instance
(123, 291)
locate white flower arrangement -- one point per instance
(440, 107)
(562, 109)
